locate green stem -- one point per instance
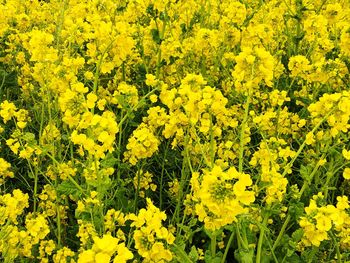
(58, 222)
(119, 145)
(98, 68)
(59, 28)
(101, 193)
(273, 254)
(159, 57)
(180, 253)
(212, 142)
(76, 184)
(159, 53)
(123, 71)
(35, 190)
(135, 107)
(2, 82)
(213, 245)
(239, 238)
(241, 139)
(336, 246)
(183, 180)
(69, 176)
(228, 247)
(280, 234)
(301, 148)
(330, 174)
(261, 238)
(286, 221)
(161, 178)
(137, 189)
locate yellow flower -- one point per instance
(107, 244)
(254, 65)
(142, 144)
(151, 80)
(125, 96)
(91, 99)
(107, 67)
(124, 254)
(235, 12)
(103, 249)
(345, 41)
(323, 222)
(299, 66)
(87, 256)
(79, 87)
(159, 253)
(7, 110)
(89, 75)
(5, 170)
(46, 248)
(62, 254)
(101, 104)
(343, 202)
(153, 98)
(346, 173)
(11, 206)
(150, 234)
(221, 196)
(310, 138)
(346, 154)
(102, 257)
(37, 227)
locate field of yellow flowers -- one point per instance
(174, 131)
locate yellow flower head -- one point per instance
(221, 196)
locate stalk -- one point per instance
(213, 244)
(241, 139)
(261, 238)
(228, 247)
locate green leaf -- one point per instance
(244, 255)
(296, 210)
(109, 161)
(309, 255)
(156, 36)
(68, 188)
(28, 137)
(297, 235)
(305, 172)
(208, 258)
(120, 200)
(290, 252)
(163, 16)
(151, 10)
(179, 251)
(193, 254)
(294, 258)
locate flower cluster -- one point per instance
(103, 249)
(100, 130)
(323, 221)
(221, 196)
(150, 236)
(142, 144)
(143, 181)
(271, 157)
(254, 65)
(5, 170)
(336, 107)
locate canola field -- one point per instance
(174, 131)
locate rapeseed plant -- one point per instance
(174, 131)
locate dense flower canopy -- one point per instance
(174, 131)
